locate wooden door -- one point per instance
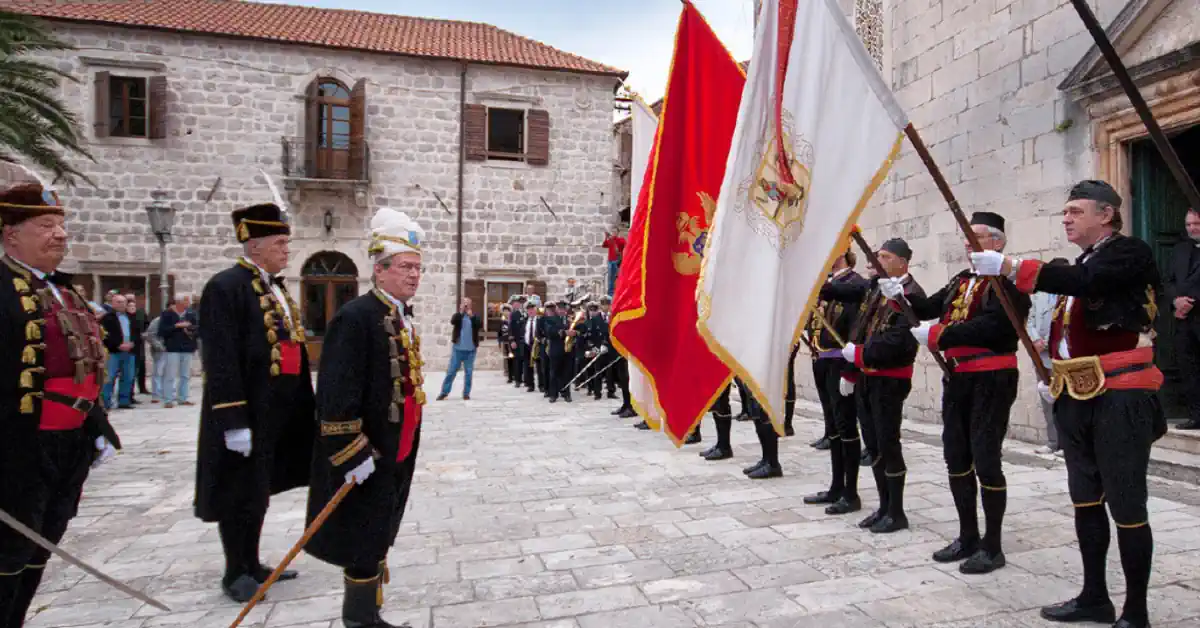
(1157, 214)
(333, 131)
(329, 280)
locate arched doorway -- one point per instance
(332, 116)
(328, 280)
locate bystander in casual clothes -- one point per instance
(120, 336)
(1038, 327)
(178, 328)
(157, 359)
(465, 338)
(616, 250)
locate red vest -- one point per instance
(1081, 340)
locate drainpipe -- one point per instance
(462, 158)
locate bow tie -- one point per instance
(277, 280)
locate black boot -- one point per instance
(362, 601)
(1137, 550)
(849, 501)
(894, 518)
(722, 449)
(1093, 602)
(769, 441)
(238, 583)
(881, 486)
(962, 489)
(990, 556)
(694, 437)
(762, 462)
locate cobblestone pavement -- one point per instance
(561, 516)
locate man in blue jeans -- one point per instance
(465, 339)
(121, 355)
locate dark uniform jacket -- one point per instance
(1182, 278)
(367, 376)
(246, 386)
(881, 332)
(23, 372)
(596, 332)
(973, 318)
(838, 314)
(554, 331)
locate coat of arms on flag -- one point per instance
(776, 207)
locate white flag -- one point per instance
(774, 239)
(645, 127)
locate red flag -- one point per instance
(654, 308)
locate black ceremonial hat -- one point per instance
(897, 246)
(1095, 190)
(988, 219)
(260, 221)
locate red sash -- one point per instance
(58, 416)
(289, 357)
(408, 429)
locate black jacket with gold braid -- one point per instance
(838, 314)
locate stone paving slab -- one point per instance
(561, 516)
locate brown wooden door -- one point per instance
(333, 131)
(329, 280)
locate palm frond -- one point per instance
(36, 127)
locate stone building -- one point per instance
(347, 111)
(1017, 105)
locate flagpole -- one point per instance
(905, 306)
(1139, 104)
(965, 225)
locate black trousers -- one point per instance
(141, 368)
(620, 373)
(544, 363)
(1187, 350)
(789, 404)
(560, 368)
(880, 404)
(975, 411)
(66, 460)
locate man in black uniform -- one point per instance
(828, 327)
(503, 340)
(53, 427)
(527, 342)
(722, 413)
(596, 345)
(256, 420)
(369, 403)
(1182, 283)
(880, 355)
(610, 375)
(768, 466)
(979, 343)
(516, 326)
(554, 330)
(1105, 384)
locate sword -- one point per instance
(581, 372)
(601, 371)
(41, 542)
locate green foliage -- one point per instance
(35, 126)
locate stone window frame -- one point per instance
(525, 104)
(120, 68)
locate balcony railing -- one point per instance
(303, 159)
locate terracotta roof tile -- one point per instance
(334, 28)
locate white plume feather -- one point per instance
(282, 204)
(45, 183)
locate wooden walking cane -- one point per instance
(905, 307)
(291, 555)
(996, 285)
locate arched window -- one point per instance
(328, 281)
(333, 115)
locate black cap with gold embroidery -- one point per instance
(23, 201)
(260, 221)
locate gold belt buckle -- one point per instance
(1083, 378)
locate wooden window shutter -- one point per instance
(537, 147)
(312, 129)
(358, 139)
(474, 129)
(156, 87)
(101, 97)
(474, 290)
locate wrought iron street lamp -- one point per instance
(162, 219)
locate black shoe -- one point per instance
(788, 430)
(360, 606)
(692, 438)
(529, 389)
(981, 562)
(1191, 424)
(888, 524)
(844, 506)
(618, 411)
(241, 589)
(628, 413)
(823, 444)
(441, 397)
(742, 417)
(1072, 611)
(125, 406)
(552, 399)
(566, 398)
(263, 572)
(642, 426)
(823, 497)
(765, 472)
(718, 454)
(612, 395)
(706, 452)
(957, 550)
(1126, 623)
(871, 519)
(750, 469)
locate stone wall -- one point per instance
(229, 103)
(979, 81)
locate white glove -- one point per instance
(845, 387)
(1044, 392)
(359, 474)
(238, 440)
(848, 352)
(891, 287)
(106, 451)
(987, 263)
(921, 333)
